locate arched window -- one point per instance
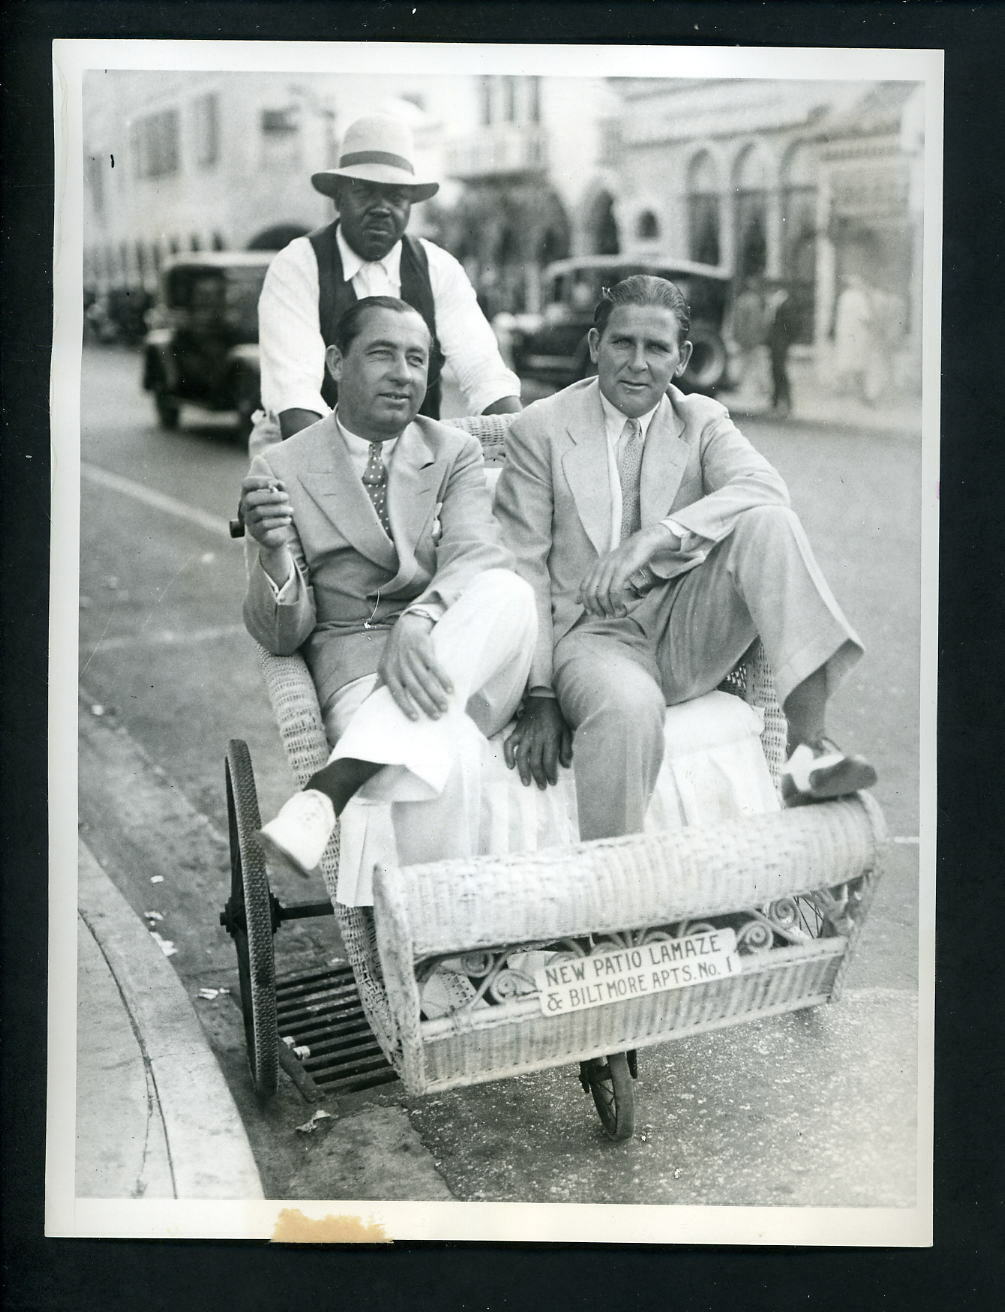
(647, 226)
(751, 213)
(703, 210)
(799, 238)
(602, 226)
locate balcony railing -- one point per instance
(498, 149)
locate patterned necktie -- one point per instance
(375, 482)
(630, 472)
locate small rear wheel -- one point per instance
(249, 920)
(610, 1082)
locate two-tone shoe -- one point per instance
(820, 770)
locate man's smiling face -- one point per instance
(638, 355)
(382, 375)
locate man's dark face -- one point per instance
(373, 215)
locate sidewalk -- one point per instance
(155, 1118)
(814, 403)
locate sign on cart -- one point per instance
(580, 982)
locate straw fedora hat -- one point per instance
(376, 149)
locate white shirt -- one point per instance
(614, 424)
(293, 350)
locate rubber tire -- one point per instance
(711, 350)
(613, 1094)
(168, 409)
(245, 392)
(249, 886)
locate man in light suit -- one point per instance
(659, 545)
(378, 555)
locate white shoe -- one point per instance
(298, 836)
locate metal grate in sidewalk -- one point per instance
(326, 1044)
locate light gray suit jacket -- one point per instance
(350, 583)
(554, 496)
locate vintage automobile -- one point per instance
(552, 347)
(202, 346)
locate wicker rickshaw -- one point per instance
(751, 917)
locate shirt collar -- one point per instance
(352, 263)
(360, 446)
(614, 420)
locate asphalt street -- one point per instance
(810, 1109)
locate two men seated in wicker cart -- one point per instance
(655, 545)
(660, 545)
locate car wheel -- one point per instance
(168, 409)
(246, 401)
(706, 369)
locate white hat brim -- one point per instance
(327, 180)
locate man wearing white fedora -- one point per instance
(366, 252)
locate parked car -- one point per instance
(202, 346)
(552, 347)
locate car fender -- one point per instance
(159, 367)
(245, 356)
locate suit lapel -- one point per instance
(411, 498)
(586, 468)
(337, 490)
(663, 463)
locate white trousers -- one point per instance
(432, 776)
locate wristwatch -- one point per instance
(422, 610)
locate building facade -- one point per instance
(188, 161)
(801, 183)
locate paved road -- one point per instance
(758, 1115)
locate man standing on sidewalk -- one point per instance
(367, 252)
(378, 555)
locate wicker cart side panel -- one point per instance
(531, 1041)
(624, 883)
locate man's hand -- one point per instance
(410, 670)
(266, 511)
(605, 591)
(539, 743)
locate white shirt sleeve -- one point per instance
(465, 336)
(289, 332)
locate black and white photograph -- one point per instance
(495, 500)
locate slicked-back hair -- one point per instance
(643, 289)
(350, 325)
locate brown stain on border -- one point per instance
(293, 1227)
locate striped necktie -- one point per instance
(629, 454)
(375, 482)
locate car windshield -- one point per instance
(218, 296)
(574, 292)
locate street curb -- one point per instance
(208, 1149)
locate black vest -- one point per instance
(335, 295)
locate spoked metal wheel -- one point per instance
(609, 1080)
(250, 919)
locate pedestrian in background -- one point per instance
(747, 330)
(853, 337)
(781, 333)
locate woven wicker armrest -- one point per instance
(623, 883)
(295, 706)
(489, 429)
